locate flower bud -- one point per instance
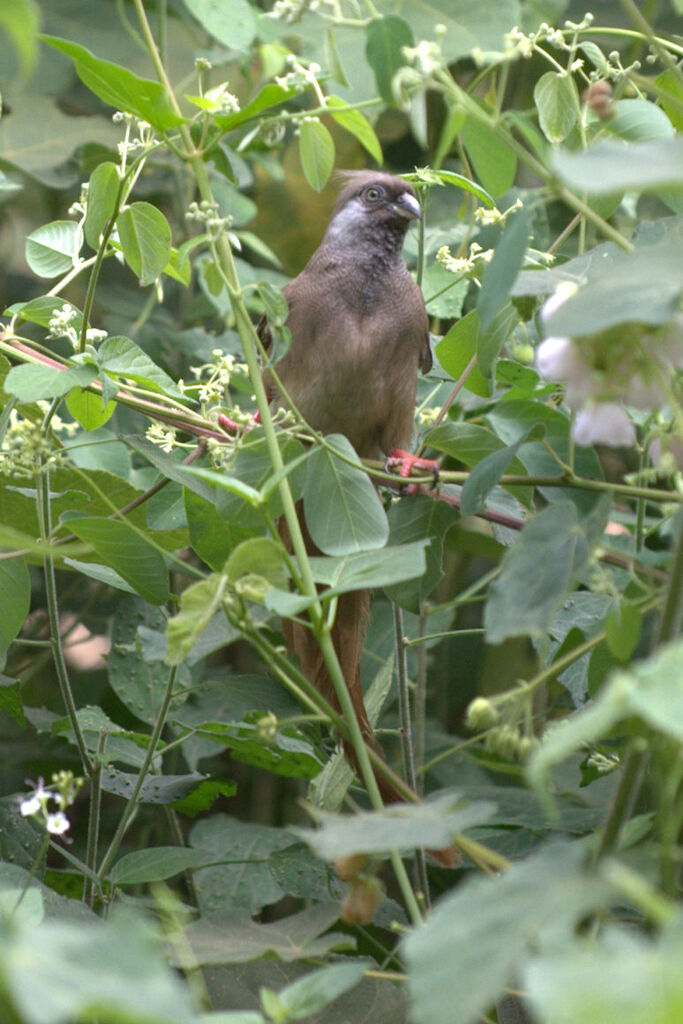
(481, 714)
(598, 98)
(361, 901)
(349, 867)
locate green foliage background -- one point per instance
(221, 863)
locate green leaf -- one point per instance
(466, 184)
(500, 274)
(21, 20)
(271, 95)
(53, 249)
(231, 22)
(651, 691)
(385, 38)
(639, 120)
(494, 162)
(69, 970)
(511, 417)
(552, 551)
(119, 87)
(122, 548)
(169, 466)
(610, 166)
(357, 125)
(343, 512)
(261, 556)
(620, 977)
(15, 601)
(557, 102)
(434, 823)
(623, 629)
(455, 351)
(671, 97)
(301, 936)
(102, 194)
(210, 536)
(486, 474)
(198, 605)
(286, 754)
(595, 54)
(32, 381)
(156, 789)
(315, 991)
(204, 796)
(444, 292)
(121, 357)
(88, 408)
(641, 286)
(419, 518)
(364, 570)
(461, 960)
(468, 23)
(145, 237)
(10, 696)
(154, 864)
(138, 682)
(492, 338)
(223, 480)
(41, 310)
(316, 150)
(239, 881)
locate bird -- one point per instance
(359, 334)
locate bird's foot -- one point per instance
(232, 427)
(406, 462)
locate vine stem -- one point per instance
(150, 754)
(45, 523)
(94, 811)
(249, 340)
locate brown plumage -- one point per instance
(359, 333)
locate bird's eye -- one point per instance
(372, 194)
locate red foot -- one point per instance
(406, 462)
(230, 427)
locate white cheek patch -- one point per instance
(348, 220)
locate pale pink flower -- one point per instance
(604, 423)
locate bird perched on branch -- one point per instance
(359, 334)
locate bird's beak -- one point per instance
(407, 206)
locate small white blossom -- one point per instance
(30, 806)
(557, 358)
(57, 824)
(163, 438)
(604, 423)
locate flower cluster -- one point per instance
(220, 100)
(623, 366)
(457, 265)
(65, 323)
(299, 76)
(47, 804)
(163, 437)
(26, 448)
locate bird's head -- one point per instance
(373, 203)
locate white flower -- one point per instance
(57, 823)
(557, 358)
(603, 423)
(32, 804)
